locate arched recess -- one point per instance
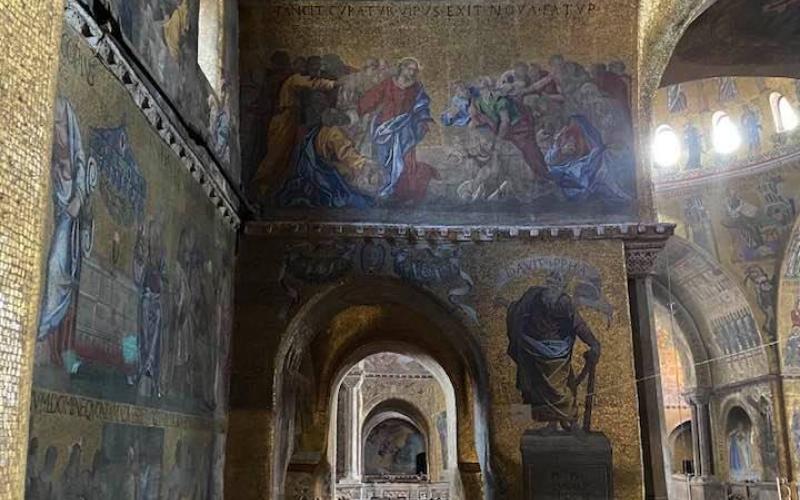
(400, 409)
(397, 426)
(731, 339)
(740, 457)
(346, 322)
(680, 446)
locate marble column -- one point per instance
(351, 414)
(640, 257)
(695, 440)
(700, 401)
(705, 486)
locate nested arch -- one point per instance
(344, 323)
(401, 410)
(731, 341)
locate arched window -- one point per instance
(724, 133)
(783, 113)
(666, 147)
(209, 42)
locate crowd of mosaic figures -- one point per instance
(122, 469)
(339, 136)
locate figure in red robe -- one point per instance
(401, 121)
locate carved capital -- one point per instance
(641, 255)
(640, 260)
(698, 397)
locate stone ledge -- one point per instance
(655, 233)
(206, 172)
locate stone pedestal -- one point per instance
(560, 465)
(707, 488)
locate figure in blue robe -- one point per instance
(694, 147)
(739, 454)
(457, 115)
(752, 131)
(316, 182)
(400, 123)
(73, 182)
(579, 162)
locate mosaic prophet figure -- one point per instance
(542, 328)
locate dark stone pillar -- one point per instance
(640, 259)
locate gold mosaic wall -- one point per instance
(29, 34)
(739, 211)
(131, 357)
(453, 44)
(498, 273)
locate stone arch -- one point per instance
(733, 414)
(731, 337)
(393, 405)
(393, 408)
(680, 446)
(430, 364)
(379, 310)
(687, 334)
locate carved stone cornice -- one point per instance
(648, 235)
(205, 171)
(640, 257)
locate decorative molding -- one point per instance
(45, 402)
(697, 180)
(654, 233)
(641, 256)
(399, 376)
(206, 172)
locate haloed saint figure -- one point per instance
(543, 326)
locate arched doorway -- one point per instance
(342, 326)
(393, 428)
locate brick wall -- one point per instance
(29, 46)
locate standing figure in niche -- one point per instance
(744, 217)
(72, 482)
(739, 452)
(44, 486)
(149, 273)
(752, 130)
(74, 179)
(792, 356)
(676, 99)
(727, 89)
(693, 141)
(796, 429)
(187, 279)
(401, 122)
(284, 125)
(764, 288)
(542, 328)
(699, 223)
